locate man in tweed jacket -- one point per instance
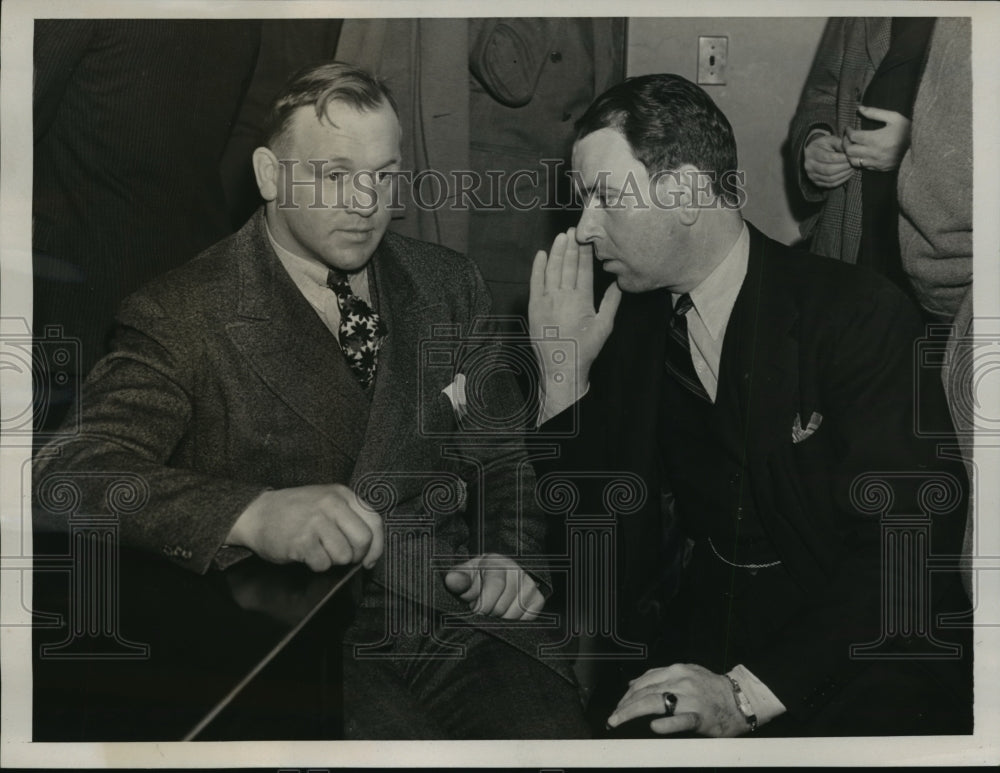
(228, 393)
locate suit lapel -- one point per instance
(396, 402)
(289, 347)
(877, 37)
(760, 352)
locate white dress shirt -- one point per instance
(310, 276)
(713, 301)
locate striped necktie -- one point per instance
(361, 329)
(678, 354)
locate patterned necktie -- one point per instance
(678, 355)
(361, 330)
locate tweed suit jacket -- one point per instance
(849, 53)
(224, 382)
(806, 335)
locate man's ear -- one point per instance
(265, 170)
(691, 196)
(675, 191)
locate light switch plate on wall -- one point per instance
(713, 54)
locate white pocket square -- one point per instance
(455, 392)
(799, 434)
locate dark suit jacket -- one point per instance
(131, 118)
(806, 335)
(223, 381)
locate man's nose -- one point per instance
(589, 226)
(363, 197)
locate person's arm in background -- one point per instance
(935, 176)
(815, 146)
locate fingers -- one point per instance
(319, 525)
(644, 697)
(644, 704)
(825, 162)
(571, 261)
(465, 580)
(537, 287)
(831, 176)
(880, 114)
(821, 157)
(562, 270)
(356, 533)
(839, 179)
(879, 149)
(458, 581)
(349, 531)
(855, 139)
(826, 148)
(499, 591)
(823, 173)
(495, 585)
(553, 269)
(375, 527)
(331, 543)
(678, 723)
(585, 271)
(528, 601)
(822, 140)
(609, 307)
(317, 557)
(825, 168)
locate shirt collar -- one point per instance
(715, 297)
(296, 265)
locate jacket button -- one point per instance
(555, 57)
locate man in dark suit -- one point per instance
(766, 399)
(273, 396)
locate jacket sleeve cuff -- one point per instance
(228, 555)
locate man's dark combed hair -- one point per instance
(668, 122)
(320, 84)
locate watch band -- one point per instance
(743, 703)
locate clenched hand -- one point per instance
(321, 526)
(495, 585)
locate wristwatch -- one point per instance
(743, 703)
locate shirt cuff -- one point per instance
(765, 703)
